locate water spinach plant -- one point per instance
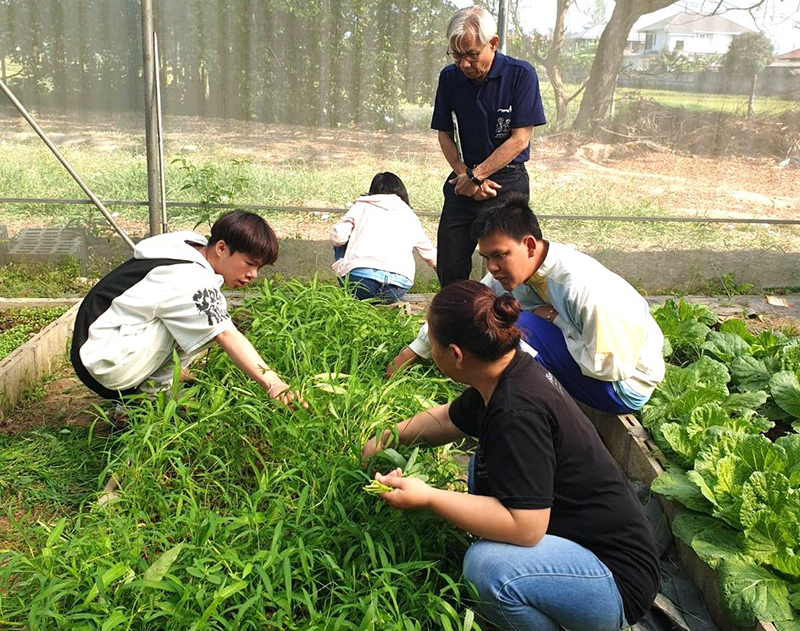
(17, 326)
(715, 418)
(237, 513)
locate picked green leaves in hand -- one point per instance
(376, 488)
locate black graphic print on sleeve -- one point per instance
(209, 302)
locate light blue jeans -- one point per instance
(556, 583)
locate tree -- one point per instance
(747, 56)
(599, 92)
(597, 15)
(552, 65)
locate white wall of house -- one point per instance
(690, 43)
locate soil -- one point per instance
(60, 401)
(689, 185)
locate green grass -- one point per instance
(698, 102)
(28, 170)
(41, 280)
(55, 468)
(236, 513)
(31, 172)
(735, 104)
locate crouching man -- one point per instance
(167, 298)
(589, 327)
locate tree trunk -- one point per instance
(551, 64)
(323, 56)
(596, 100)
(752, 96)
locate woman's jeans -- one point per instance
(369, 288)
(556, 583)
(549, 342)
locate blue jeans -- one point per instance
(556, 583)
(549, 342)
(369, 288)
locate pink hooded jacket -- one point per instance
(380, 232)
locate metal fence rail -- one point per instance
(301, 209)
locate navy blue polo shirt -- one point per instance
(487, 112)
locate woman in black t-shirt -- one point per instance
(564, 541)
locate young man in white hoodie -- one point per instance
(167, 298)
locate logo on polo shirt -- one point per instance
(502, 129)
(209, 302)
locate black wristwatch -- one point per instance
(473, 178)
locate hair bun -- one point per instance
(507, 309)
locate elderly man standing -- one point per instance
(486, 106)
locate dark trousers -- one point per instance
(455, 246)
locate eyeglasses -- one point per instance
(470, 55)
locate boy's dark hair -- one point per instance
(511, 215)
(388, 183)
(247, 233)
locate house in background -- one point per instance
(689, 34)
(590, 38)
(787, 60)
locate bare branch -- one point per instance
(718, 7)
(721, 8)
(568, 100)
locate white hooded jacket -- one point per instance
(177, 306)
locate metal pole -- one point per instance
(502, 24)
(66, 164)
(161, 178)
(150, 116)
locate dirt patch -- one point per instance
(694, 186)
(717, 134)
(773, 322)
(59, 401)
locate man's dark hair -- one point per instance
(247, 233)
(511, 215)
(388, 183)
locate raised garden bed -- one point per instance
(29, 361)
(223, 443)
(718, 443)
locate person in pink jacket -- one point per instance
(373, 243)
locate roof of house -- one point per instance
(792, 54)
(688, 23)
(594, 33)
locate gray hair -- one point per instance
(475, 21)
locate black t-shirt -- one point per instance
(538, 450)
